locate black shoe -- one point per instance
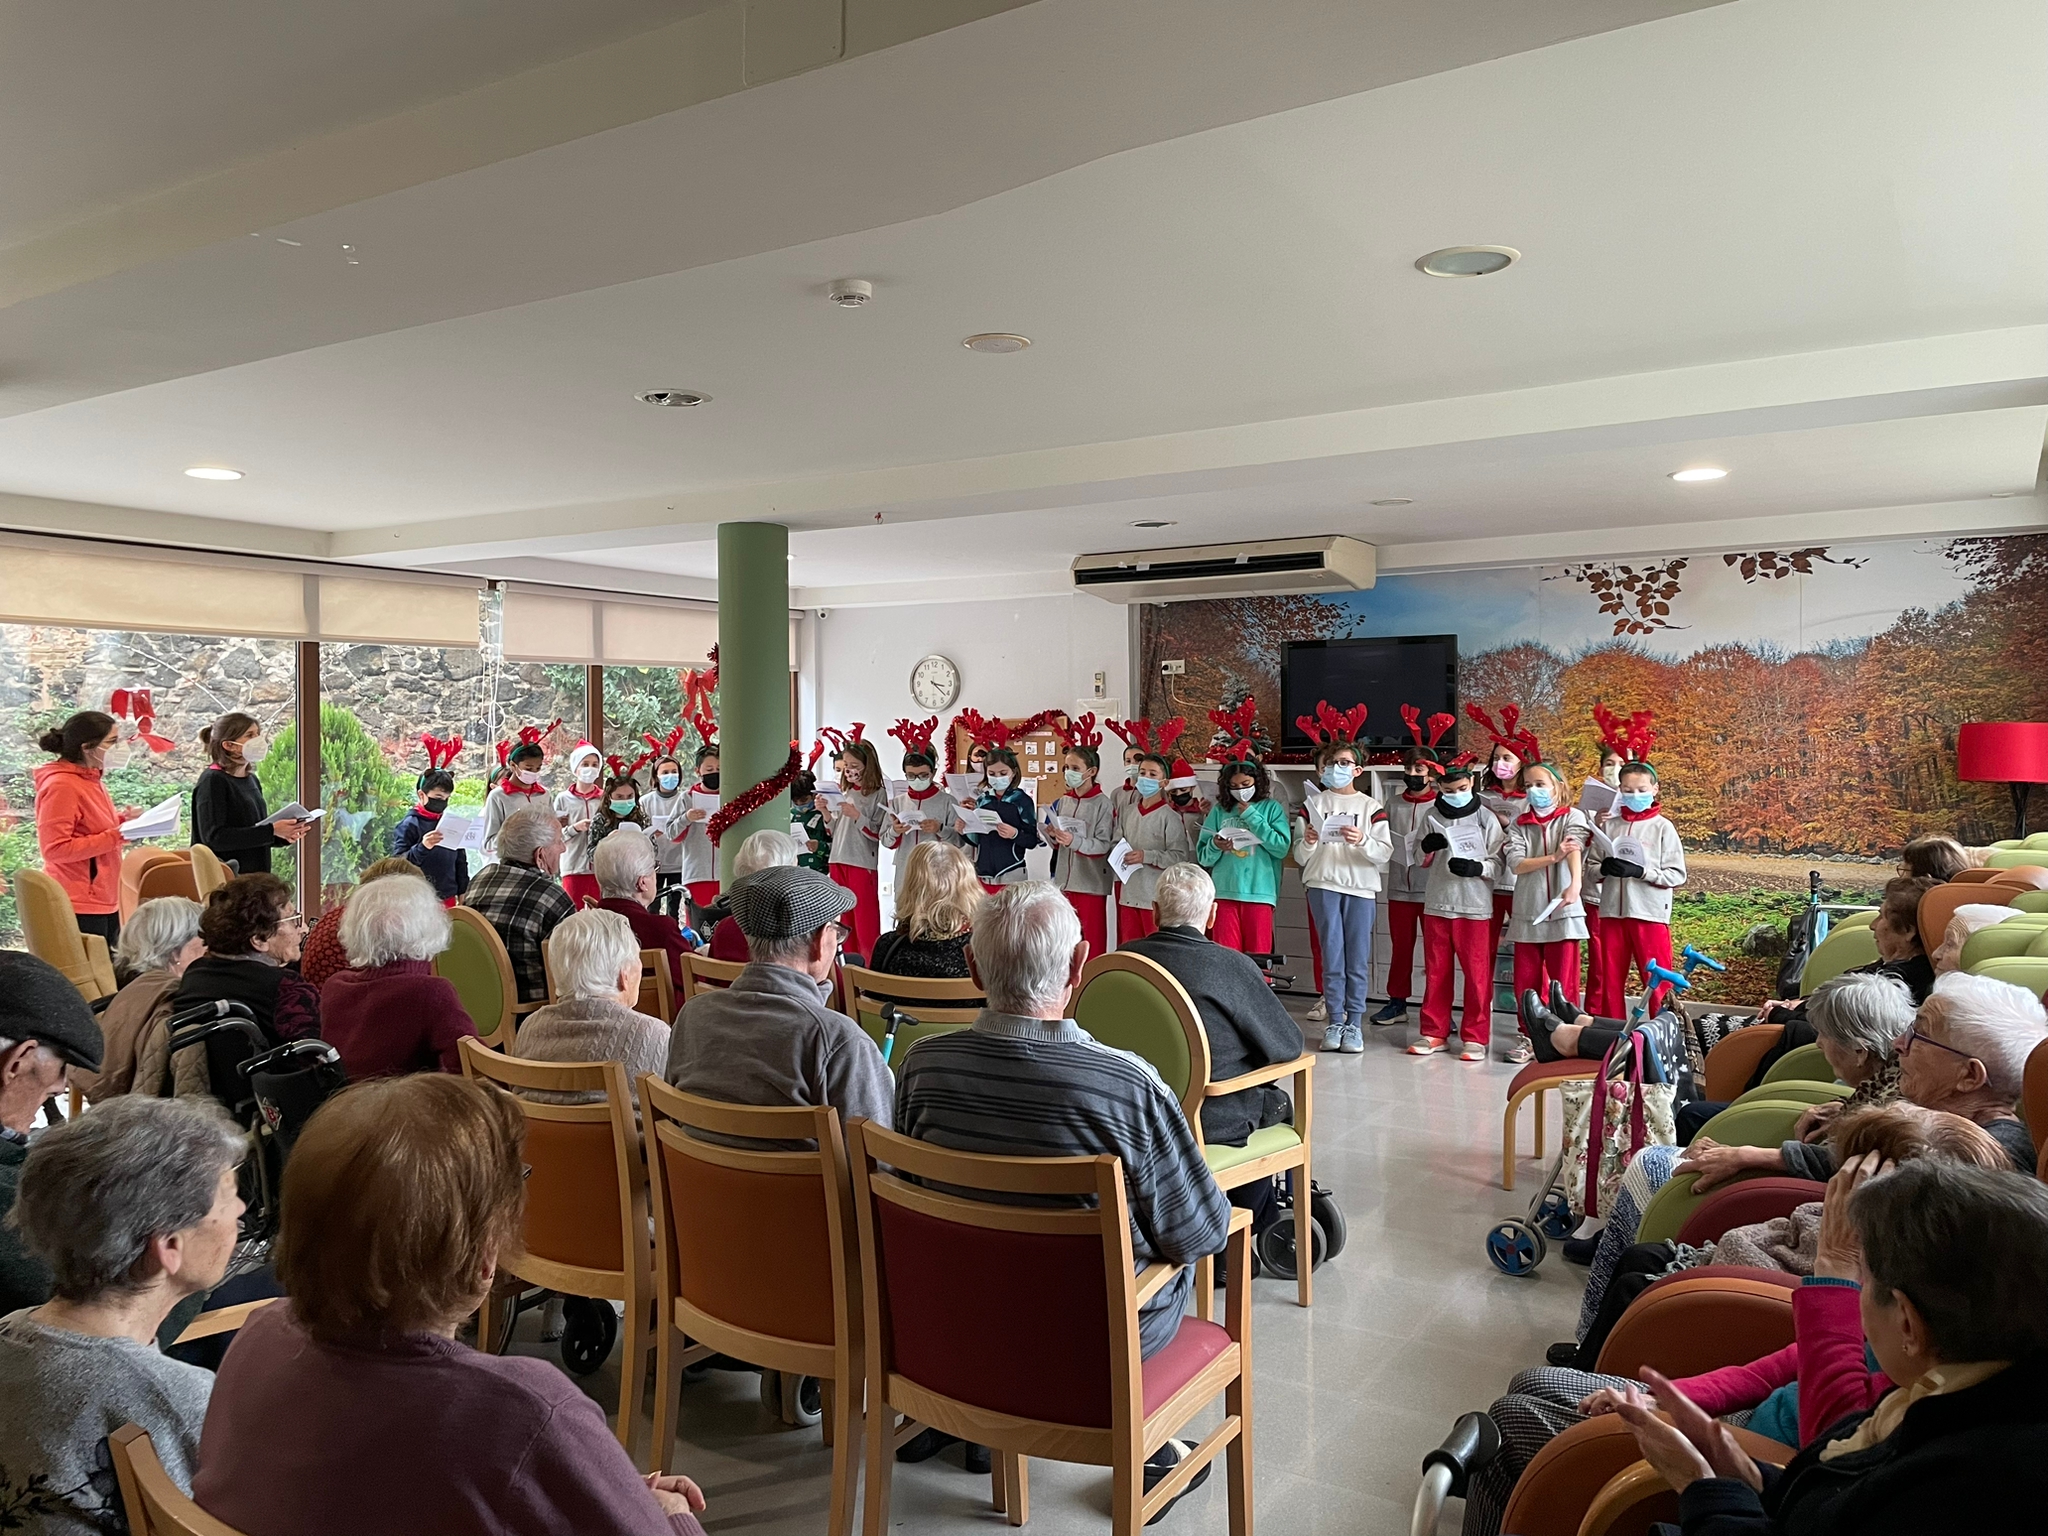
(1580, 1250)
(1565, 1354)
(924, 1445)
(1561, 1005)
(1162, 1462)
(1537, 1023)
(977, 1458)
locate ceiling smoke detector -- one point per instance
(1468, 260)
(996, 341)
(851, 292)
(671, 397)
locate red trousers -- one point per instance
(1503, 909)
(1134, 923)
(703, 892)
(1537, 965)
(865, 920)
(1094, 920)
(1246, 926)
(1461, 941)
(1315, 952)
(582, 889)
(1595, 1000)
(1630, 939)
(1404, 921)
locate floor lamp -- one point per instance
(2009, 752)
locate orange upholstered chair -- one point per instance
(2023, 877)
(1939, 905)
(1558, 1487)
(2034, 1105)
(137, 862)
(1732, 1063)
(1692, 1322)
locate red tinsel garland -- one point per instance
(751, 801)
(1037, 722)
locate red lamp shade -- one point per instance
(2002, 752)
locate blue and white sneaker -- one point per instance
(1333, 1038)
(1395, 1012)
(1353, 1042)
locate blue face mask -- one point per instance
(1540, 799)
(1638, 799)
(668, 783)
(1339, 775)
(1456, 799)
(1147, 786)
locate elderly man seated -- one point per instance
(45, 1031)
(771, 1038)
(627, 872)
(1026, 1078)
(521, 895)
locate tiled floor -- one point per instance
(1411, 1327)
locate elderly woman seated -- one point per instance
(934, 915)
(133, 1208)
(767, 849)
(627, 874)
(389, 1013)
(252, 930)
(352, 1407)
(1947, 1266)
(323, 955)
(595, 958)
(157, 944)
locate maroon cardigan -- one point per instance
(653, 930)
(395, 1019)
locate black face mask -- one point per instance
(708, 780)
(437, 802)
(1414, 783)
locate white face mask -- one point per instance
(1244, 794)
(587, 774)
(999, 782)
(116, 757)
(256, 748)
(526, 775)
(921, 783)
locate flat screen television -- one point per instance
(1382, 674)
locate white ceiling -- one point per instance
(1803, 238)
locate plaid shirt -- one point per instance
(525, 906)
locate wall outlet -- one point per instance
(1173, 669)
(1102, 685)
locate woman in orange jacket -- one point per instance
(78, 827)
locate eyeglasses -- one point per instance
(1914, 1034)
(291, 920)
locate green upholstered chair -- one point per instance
(2028, 971)
(1843, 949)
(1136, 1005)
(1853, 920)
(1759, 1123)
(476, 965)
(1795, 1091)
(2014, 936)
(2035, 840)
(2032, 901)
(2016, 858)
(940, 1006)
(1806, 1063)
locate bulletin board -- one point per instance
(1038, 756)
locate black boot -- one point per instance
(1561, 1005)
(1537, 1023)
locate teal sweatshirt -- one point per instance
(1255, 875)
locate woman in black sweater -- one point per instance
(227, 802)
(933, 912)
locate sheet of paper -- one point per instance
(1630, 849)
(460, 831)
(1123, 859)
(703, 802)
(898, 787)
(963, 785)
(292, 812)
(800, 835)
(1603, 845)
(1030, 787)
(1332, 829)
(1596, 797)
(1238, 837)
(160, 820)
(974, 820)
(1549, 909)
(1068, 824)
(1467, 841)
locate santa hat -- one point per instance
(1237, 726)
(580, 751)
(528, 736)
(1425, 746)
(1510, 733)
(916, 736)
(1634, 740)
(1327, 726)
(1079, 732)
(1182, 775)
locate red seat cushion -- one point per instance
(1181, 1361)
(1725, 1272)
(1543, 1071)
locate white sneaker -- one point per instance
(1319, 1014)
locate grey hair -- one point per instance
(588, 950)
(526, 831)
(1023, 944)
(622, 860)
(1866, 1011)
(1183, 897)
(1996, 1022)
(391, 920)
(96, 1189)
(793, 950)
(766, 849)
(151, 939)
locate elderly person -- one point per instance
(628, 877)
(1934, 857)
(253, 931)
(1025, 1078)
(322, 956)
(934, 915)
(521, 895)
(770, 1038)
(388, 1013)
(157, 944)
(766, 849)
(596, 961)
(1947, 1265)
(352, 1407)
(133, 1208)
(46, 1031)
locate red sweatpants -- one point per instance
(1459, 940)
(580, 887)
(1631, 939)
(1134, 923)
(1537, 965)
(1404, 921)
(1315, 952)
(703, 892)
(1503, 909)
(865, 920)
(1246, 926)
(1595, 999)
(1094, 920)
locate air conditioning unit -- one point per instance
(1328, 564)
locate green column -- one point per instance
(753, 672)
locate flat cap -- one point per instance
(785, 903)
(37, 1003)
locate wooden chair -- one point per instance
(1016, 1326)
(1974, 876)
(1135, 1004)
(657, 987)
(49, 929)
(1534, 1081)
(755, 1256)
(1939, 905)
(576, 1240)
(1562, 1481)
(701, 972)
(1630, 1503)
(219, 1320)
(1733, 1062)
(138, 861)
(156, 1506)
(940, 1006)
(476, 964)
(1758, 1123)
(167, 878)
(208, 873)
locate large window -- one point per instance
(646, 701)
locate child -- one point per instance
(999, 855)
(664, 805)
(815, 849)
(700, 854)
(1136, 736)
(1341, 868)
(1545, 849)
(519, 765)
(1158, 834)
(1645, 865)
(1246, 867)
(923, 813)
(1080, 860)
(621, 803)
(418, 840)
(1594, 888)
(1501, 793)
(576, 807)
(1457, 907)
(857, 833)
(1407, 876)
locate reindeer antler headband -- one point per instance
(915, 735)
(1328, 726)
(529, 736)
(1237, 727)
(1634, 740)
(1079, 732)
(1510, 733)
(1439, 726)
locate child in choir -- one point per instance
(999, 854)
(814, 850)
(1463, 842)
(923, 813)
(1407, 877)
(1500, 790)
(1596, 999)
(700, 854)
(1342, 845)
(1080, 859)
(576, 808)
(1645, 865)
(663, 805)
(1244, 838)
(1545, 849)
(1159, 835)
(418, 839)
(857, 833)
(519, 763)
(620, 806)
(1136, 736)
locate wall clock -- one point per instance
(935, 683)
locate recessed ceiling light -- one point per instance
(2002, 495)
(673, 397)
(213, 472)
(1701, 472)
(1395, 501)
(1468, 260)
(1155, 522)
(996, 341)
